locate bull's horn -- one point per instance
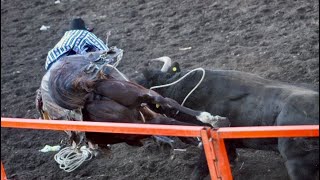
(167, 63)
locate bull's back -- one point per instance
(301, 108)
(246, 99)
(249, 100)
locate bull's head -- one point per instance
(154, 77)
(168, 66)
(166, 60)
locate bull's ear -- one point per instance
(175, 68)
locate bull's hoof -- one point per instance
(222, 122)
(215, 121)
(205, 117)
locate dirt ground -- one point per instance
(276, 39)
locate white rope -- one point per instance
(69, 159)
(170, 84)
(124, 77)
(116, 63)
(165, 85)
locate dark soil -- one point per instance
(276, 39)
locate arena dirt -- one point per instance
(276, 39)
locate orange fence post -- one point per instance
(210, 156)
(3, 172)
(222, 156)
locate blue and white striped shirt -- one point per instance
(78, 41)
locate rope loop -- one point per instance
(175, 82)
(70, 158)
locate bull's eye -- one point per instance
(174, 69)
(157, 105)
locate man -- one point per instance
(83, 44)
(77, 40)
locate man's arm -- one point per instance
(93, 40)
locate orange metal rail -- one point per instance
(124, 128)
(268, 131)
(213, 140)
(224, 171)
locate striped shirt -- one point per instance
(77, 40)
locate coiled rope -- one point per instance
(69, 159)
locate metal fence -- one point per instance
(212, 139)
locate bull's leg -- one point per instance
(301, 162)
(201, 169)
(301, 154)
(168, 121)
(202, 116)
(148, 113)
(155, 118)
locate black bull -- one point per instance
(249, 100)
(103, 95)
